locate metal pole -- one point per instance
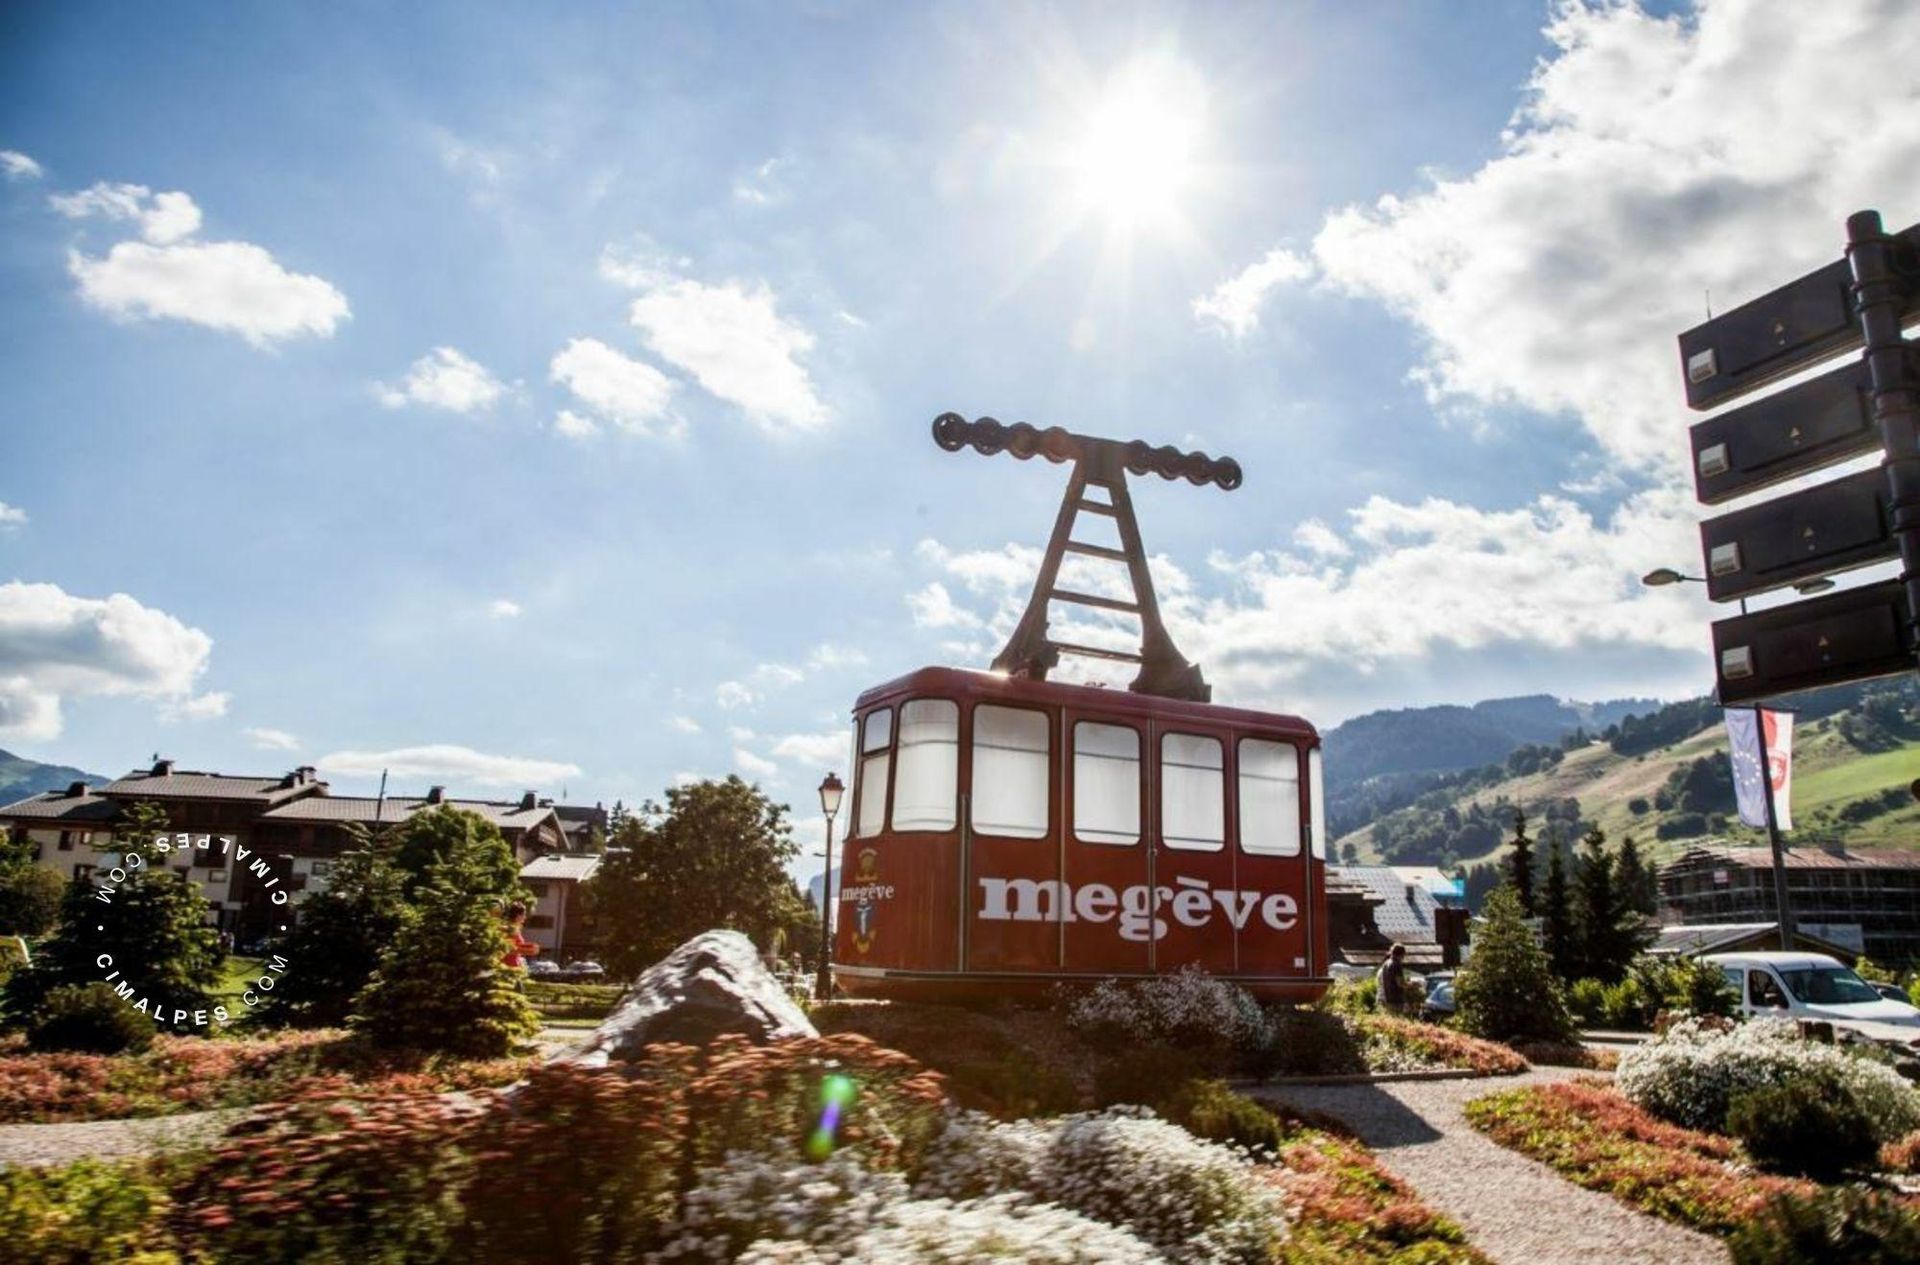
(1878, 296)
(1773, 834)
(823, 987)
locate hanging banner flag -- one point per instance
(1744, 735)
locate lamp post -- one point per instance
(1820, 584)
(830, 792)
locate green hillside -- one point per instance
(1852, 768)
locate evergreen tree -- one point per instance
(337, 939)
(30, 893)
(417, 844)
(1557, 928)
(154, 926)
(443, 983)
(1639, 882)
(1520, 863)
(1506, 991)
(715, 855)
(1610, 931)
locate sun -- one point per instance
(1134, 153)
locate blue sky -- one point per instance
(527, 396)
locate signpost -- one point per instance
(1861, 302)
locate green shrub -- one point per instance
(90, 1019)
(1810, 1126)
(1588, 1001)
(1507, 991)
(1015, 1086)
(1144, 1076)
(1315, 1043)
(1208, 1109)
(1352, 997)
(83, 1212)
(1627, 1005)
(1846, 1224)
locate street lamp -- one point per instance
(1662, 576)
(830, 793)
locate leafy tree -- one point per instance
(714, 855)
(1611, 933)
(430, 836)
(1507, 991)
(29, 893)
(154, 927)
(1520, 862)
(1556, 912)
(337, 939)
(443, 983)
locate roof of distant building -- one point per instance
(77, 805)
(1696, 939)
(1406, 908)
(561, 865)
(163, 781)
(367, 809)
(1815, 858)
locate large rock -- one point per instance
(712, 985)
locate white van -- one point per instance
(1808, 986)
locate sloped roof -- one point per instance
(58, 806)
(1803, 858)
(189, 784)
(559, 865)
(1698, 939)
(366, 809)
(1406, 909)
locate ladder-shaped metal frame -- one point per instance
(1097, 464)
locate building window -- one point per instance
(82, 873)
(538, 888)
(1317, 804)
(540, 922)
(66, 840)
(1106, 783)
(1193, 793)
(927, 783)
(181, 870)
(876, 745)
(217, 876)
(1010, 764)
(1269, 798)
(320, 869)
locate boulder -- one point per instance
(712, 985)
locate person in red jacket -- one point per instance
(522, 948)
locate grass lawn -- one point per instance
(237, 974)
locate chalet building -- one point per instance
(558, 921)
(1371, 908)
(292, 822)
(1867, 898)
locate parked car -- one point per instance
(1809, 986)
(1892, 992)
(1439, 1002)
(582, 972)
(542, 968)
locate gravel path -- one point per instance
(37, 1144)
(1514, 1209)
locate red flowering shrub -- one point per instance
(1902, 1156)
(1595, 1137)
(1431, 1044)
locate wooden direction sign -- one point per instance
(1817, 531)
(1801, 323)
(1860, 303)
(1839, 637)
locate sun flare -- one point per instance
(1135, 154)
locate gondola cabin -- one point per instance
(1007, 832)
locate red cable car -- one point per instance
(1008, 833)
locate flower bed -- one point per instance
(1351, 1211)
(1592, 1135)
(1393, 1044)
(194, 1074)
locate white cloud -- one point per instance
(684, 724)
(777, 675)
(574, 426)
(445, 379)
(197, 706)
(55, 646)
(740, 733)
(752, 765)
(815, 749)
(729, 337)
(503, 608)
(762, 185)
(17, 166)
(732, 694)
(163, 218)
(630, 393)
(460, 765)
(934, 607)
(985, 570)
(1234, 305)
(1652, 161)
(235, 287)
(1320, 540)
(12, 516)
(272, 739)
(827, 656)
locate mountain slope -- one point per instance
(21, 777)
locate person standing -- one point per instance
(1391, 993)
